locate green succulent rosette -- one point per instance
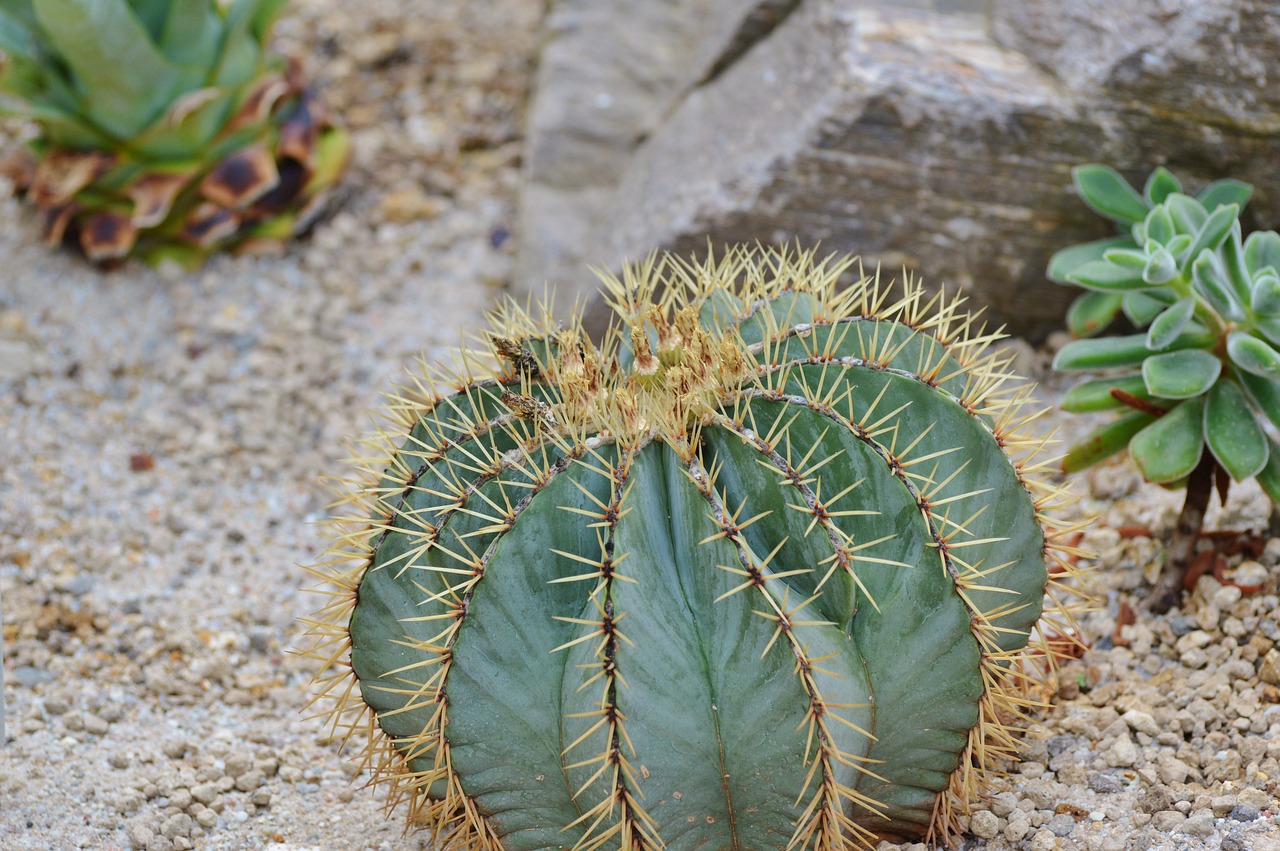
(1203, 369)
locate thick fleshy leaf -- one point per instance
(126, 80)
(1142, 307)
(1231, 253)
(1161, 267)
(1266, 293)
(1232, 433)
(1269, 327)
(1214, 230)
(1160, 185)
(1253, 355)
(1166, 327)
(1264, 393)
(1169, 448)
(1095, 395)
(1159, 225)
(1188, 214)
(1129, 350)
(1131, 257)
(1108, 277)
(1091, 312)
(1178, 245)
(1105, 441)
(1181, 375)
(1269, 476)
(1108, 193)
(192, 33)
(1211, 281)
(1066, 261)
(1262, 249)
(1228, 191)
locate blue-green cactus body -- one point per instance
(759, 586)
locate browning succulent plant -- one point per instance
(762, 570)
(1205, 372)
(166, 128)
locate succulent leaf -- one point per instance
(1266, 293)
(1105, 441)
(1232, 433)
(1142, 307)
(1107, 192)
(1110, 277)
(1188, 214)
(1269, 476)
(1226, 191)
(1130, 350)
(1161, 267)
(1262, 249)
(1158, 226)
(1160, 185)
(90, 35)
(1090, 312)
(1211, 281)
(1096, 394)
(1133, 258)
(1253, 355)
(1264, 393)
(1181, 375)
(1169, 448)
(1214, 230)
(1166, 327)
(1067, 260)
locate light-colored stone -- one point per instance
(935, 135)
(1269, 670)
(985, 824)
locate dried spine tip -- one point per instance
(685, 572)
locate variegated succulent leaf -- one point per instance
(1205, 371)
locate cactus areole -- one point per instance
(759, 571)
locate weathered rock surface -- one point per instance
(936, 136)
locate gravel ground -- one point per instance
(162, 440)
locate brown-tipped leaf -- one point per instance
(1091, 312)
(241, 178)
(61, 174)
(1169, 448)
(54, 221)
(153, 195)
(257, 107)
(107, 235)
(299, 131)
(208, 224)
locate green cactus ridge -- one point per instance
(759, 571)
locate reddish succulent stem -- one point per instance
(1143, 405)
(1182, 546)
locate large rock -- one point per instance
(933, 136)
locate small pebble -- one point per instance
(984, 824)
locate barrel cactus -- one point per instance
(762, 570)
